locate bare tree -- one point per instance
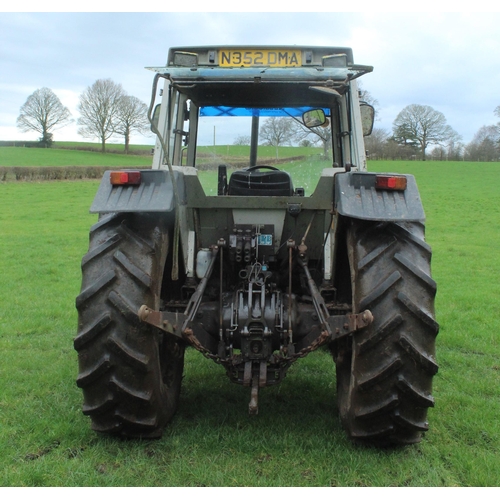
(454, 146)
(497, 113)
(484, 145)
(242, 140)
(99, 107)
(43, 112)
(376, 143)
(131, 117)
(422, 125)
(366, 96)
(277, 131)
(312, 136)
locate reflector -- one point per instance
(392, 182)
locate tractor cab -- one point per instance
(263, 113)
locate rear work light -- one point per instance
(390, 182)
(125, 178)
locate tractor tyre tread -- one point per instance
(384, 372)
(121, 371)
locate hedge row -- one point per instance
(79, 172)
(110, 148)
(53, 173)
(22, 144)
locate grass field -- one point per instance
(53, 157)
(296, 439)
(62, 155)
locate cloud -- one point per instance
(446, 60)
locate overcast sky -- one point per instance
(450, 61)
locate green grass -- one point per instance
(110, 146)
(66, 154)
(231, 151)
(53, 157)
(296, 439)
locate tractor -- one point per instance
(264, 266)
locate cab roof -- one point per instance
(261, 75)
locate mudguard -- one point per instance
(356, 196)
(153, 194)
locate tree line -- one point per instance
(418, 132)
(421, 132)
(105, 108)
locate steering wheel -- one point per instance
(250, 169)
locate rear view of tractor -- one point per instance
(266, 269)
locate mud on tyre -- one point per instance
(129, 373)
(384, 373)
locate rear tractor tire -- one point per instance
(385, 371)
(130, 373)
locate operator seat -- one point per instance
(260, 180)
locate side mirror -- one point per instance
(156, 116)
(314, 118)
(367, 117)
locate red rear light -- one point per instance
(391, 182)
(125, 178)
